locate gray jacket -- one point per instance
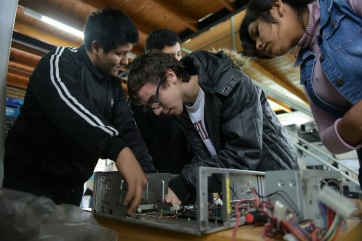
(241, 124)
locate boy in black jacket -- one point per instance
(76, 112)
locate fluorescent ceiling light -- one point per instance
(205, 17)
(62, 26)
(53, 22)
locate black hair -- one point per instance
(111, 28)
(160, 38)
(151, 67)
(261, 9)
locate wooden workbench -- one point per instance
(134, 232)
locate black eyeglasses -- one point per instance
(156, 103)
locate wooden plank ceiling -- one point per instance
(201, 24)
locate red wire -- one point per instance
(237, 222)
(314, 234)
(266, 228)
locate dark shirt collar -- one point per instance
(88, 63)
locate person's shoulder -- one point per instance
(60, 53)
(200, 53)
(69, 51)
(63, 49)
(219, 56)
(67, 56)
(57, 54)
(356, 6)
(70, 55)
(197, 56)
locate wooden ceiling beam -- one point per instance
(142, 29)
(17, 81)
(30, 48)
(44, 36)
(24, 58)
(16, 92)
(190, 23)
(53, 13)
(23, 67)
(19, 72)
(176, 14)
(227, 5)
(95, 4)
(282, 105)
(284, 83)
(48, 38)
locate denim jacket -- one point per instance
(340, 42)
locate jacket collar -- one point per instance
(88, 63)
(213, 68)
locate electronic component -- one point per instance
(335, 201)
(241, 196)
(110, 188)
(199, 217)
(256, 218)
(298, 190)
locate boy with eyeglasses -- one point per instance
(165, 140)
(226, 118)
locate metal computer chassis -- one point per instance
(110, 189)
(298, 190)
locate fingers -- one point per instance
(129, 194)
(129, 167)
(173, 202)
(171, 198)
(136, 199)
(134, 193)
(167, 199)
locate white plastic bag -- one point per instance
(25, 217)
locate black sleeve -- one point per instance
(56, 87)
(128, 130)
(63, 101)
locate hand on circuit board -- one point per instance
(129, 167)
(171, 198)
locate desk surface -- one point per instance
(134, 232)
